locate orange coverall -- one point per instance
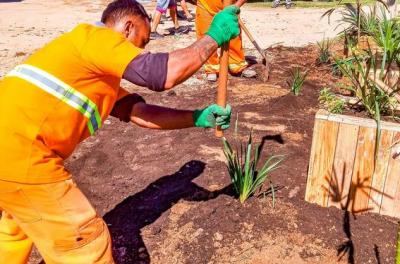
(58, 97)
(205, 11)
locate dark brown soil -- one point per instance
(166, 195)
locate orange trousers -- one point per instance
(57, 218)
(237, 62)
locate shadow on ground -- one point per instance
(127, 219)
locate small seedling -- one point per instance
(337, 106)
(242, 167)
(336, 70)
(328, 100)
(297, 80)
(324, 51)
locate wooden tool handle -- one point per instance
(244, 28)
(223, 82)
(223, 71)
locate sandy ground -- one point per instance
(26, 26)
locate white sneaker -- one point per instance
(211, 77)
(249, 73)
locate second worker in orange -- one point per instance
(205, 11)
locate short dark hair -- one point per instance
(118, 9)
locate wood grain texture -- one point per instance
(321, 161)
(363, 170)
(343, 171)
(379, 177)
(222, 89)
(358, 121)
(343, 165)
(390, 202)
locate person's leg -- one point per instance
(15, 246)
(60, 221)
(156, 21)
(275, 3)
(203, 22)
(174, 17)
(237, 61)
(161, 8)
(186, 10)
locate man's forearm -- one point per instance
(183, 63)
(157, 117)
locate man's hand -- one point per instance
(224, 26)
(212, 116)
(183, 63)
(158, 117)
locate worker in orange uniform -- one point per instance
(205, 11)
(61, 95)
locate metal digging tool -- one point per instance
(223, 72)
(264, 72)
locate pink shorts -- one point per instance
(163, 5)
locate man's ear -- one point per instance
(128, 28)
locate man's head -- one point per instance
(129, 18)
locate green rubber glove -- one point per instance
(225, 26)
(212, 116)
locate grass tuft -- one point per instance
(297, 80)
(329, 101)
(324, 51)
(243, 169)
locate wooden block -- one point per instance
(363, 171)
(343, 171)
(321, 161)
(343, 165)
(379, 177)
(312, 177)
(390, 202)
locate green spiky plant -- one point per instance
(247, 178)
(297, 80)
(387, 37)
(357, 21)
(324, 51)
(361, 66)
(373, 99)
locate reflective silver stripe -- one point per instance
(62, 91)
